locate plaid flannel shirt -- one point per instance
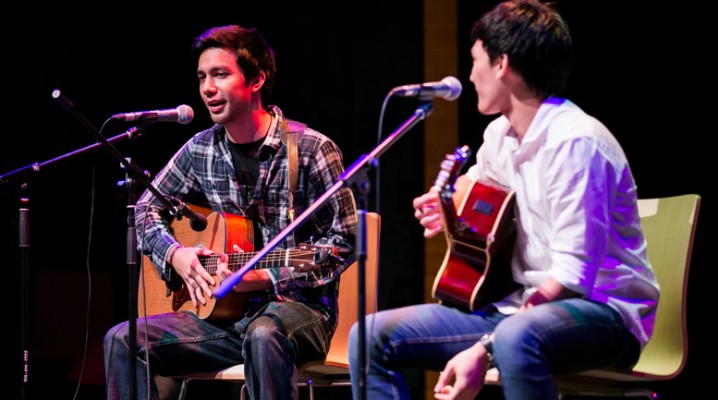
(203, 167)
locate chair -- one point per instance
(669, 226)
(334, 370)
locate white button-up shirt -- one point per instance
(576, 211)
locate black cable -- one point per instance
(379, 138)
(93, 192)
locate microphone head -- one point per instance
(454, 86)
(186, 113)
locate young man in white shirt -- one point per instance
(587, 295)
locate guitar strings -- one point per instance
(238, 259)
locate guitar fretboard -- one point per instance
(276, 258)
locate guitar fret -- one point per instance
(277, 258)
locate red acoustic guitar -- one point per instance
(480, 234)
(221, 233)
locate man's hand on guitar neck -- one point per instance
(199, 281)
(252, 281)
(428, 211)
(196, 278)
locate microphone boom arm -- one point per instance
(130, 134)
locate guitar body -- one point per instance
(222, 232)
(480, 233)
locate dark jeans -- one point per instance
(270, 344)
(529, 349)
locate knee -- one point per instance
(516, 344)
(116, 333)
(262, 335)
(371, 335)
(260, 332)
(378, 336)
(353, 337)
(354, 332)
(509, 336)
(115, 342)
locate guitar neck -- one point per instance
(276, 258)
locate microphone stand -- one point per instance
(354, 176)
(132, 171)
(133, 271)
(24, 246)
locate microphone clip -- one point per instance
(198, 222)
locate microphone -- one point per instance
(448, 88)
(197, 222)
(182, 114)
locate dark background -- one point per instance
(642, 69)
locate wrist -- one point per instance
(488, 345)
(537, 298)
(171, 253)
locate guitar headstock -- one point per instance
(450, 169)
(318, 256)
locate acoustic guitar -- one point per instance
(222, 232)
(480, 234)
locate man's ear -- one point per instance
(502, 65)
(258, 81)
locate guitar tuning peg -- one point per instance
(321, 257)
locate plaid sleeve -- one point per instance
(334, 222)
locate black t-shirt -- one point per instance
(246, 162)
(245, 158)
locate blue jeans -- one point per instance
(529, 348)
(270, 343)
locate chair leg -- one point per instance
(183, 390)
(244, 392)
(310, 387)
